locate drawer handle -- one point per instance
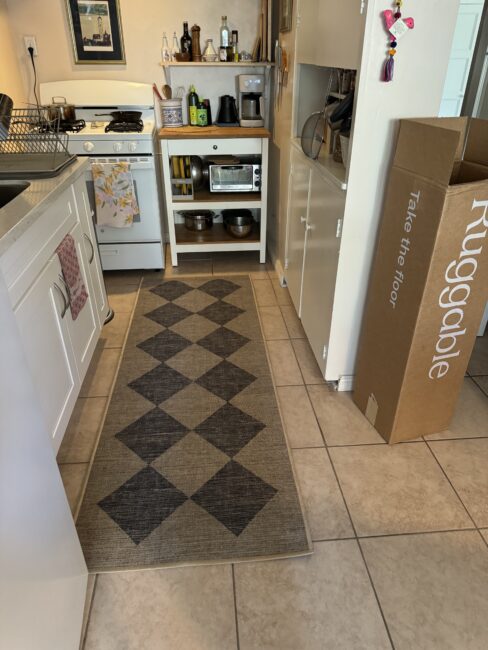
(65, 303)
(215, 147)
(91, 246)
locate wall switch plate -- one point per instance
(30, 41)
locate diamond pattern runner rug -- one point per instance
(192, 464)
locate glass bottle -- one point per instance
(193, 107)
(186, 41)
(224, 33)
(235, 46)
(176, 47)
(165, 53)
(209, 53)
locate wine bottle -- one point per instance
(186, 41)
(193, 107)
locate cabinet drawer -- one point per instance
(131, 256)
(25, 259)
(222, 146)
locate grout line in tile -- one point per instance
(320, 429)
(450, 483)
(451, 439)
(90, 607)
(419, 532)
(473, 379)
(355, 532)
(376, 595)
(483, 537)
(235, 607)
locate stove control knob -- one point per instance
(88, 146)
(117, 147)
(132, 146)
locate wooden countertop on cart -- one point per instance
(202, 132)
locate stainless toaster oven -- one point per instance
(235, 178)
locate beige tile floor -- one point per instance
(400, 533)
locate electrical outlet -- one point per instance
(30, 41)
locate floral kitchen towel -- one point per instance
(77, 294)
(115, 197)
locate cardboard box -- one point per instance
(429, 280)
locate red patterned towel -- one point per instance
(71, 271)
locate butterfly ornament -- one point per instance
(397, 27)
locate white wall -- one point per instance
(10, 78)
(143, 23)
(416, 91)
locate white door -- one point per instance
(42, 320)
(85, 329)
(94, 267)
(42, 571)
(462, 51)
(325, 216)
(296, 227)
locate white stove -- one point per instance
(140, 246)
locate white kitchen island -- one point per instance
(45, 355)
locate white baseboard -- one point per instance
(345, 383)
(280, 272)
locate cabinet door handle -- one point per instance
(91, 246)
(303, 219)
(308, 227)
(65, 303)
(68, 292)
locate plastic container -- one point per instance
(171, 112)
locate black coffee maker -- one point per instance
(227, 112)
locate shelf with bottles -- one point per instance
(217, 64)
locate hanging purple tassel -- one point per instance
(389, 67)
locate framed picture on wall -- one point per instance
(286, 14)
(96, 31)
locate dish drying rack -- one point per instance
(34, 147)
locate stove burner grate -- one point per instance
(74, 126)
(124, 126)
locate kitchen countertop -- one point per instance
(213, 131)
(18, 215)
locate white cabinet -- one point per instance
(338, 43)
(42, 320)
(324, 223)
(297, 222)
(96, 283)
(58, 349)
(316, 210)
(83, 331)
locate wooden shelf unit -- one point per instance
(239, 141)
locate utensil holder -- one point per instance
(171, 112)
